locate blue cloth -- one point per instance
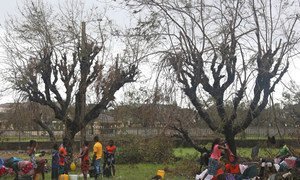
(213, 166)
(54, 173)
(97, 166)
(61, 170)
(55, 159)
(1, 162)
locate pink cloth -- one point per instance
(216, 154)
(26, 167)
(290, 161)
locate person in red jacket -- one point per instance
(110, 150)
(62, 158)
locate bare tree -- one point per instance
(30, 116)
(229, 51)
(291, 103)
(55, 62)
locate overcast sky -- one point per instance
(10, 7)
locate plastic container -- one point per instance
(161, 173)
(73, 177)
(63, 177)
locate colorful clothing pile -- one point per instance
(25, 168)
(2, 171)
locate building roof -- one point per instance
(105, 119)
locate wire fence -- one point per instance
(196, 133)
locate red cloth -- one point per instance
(290, 162)
(232, 168)
(85, 166)
(62, 154)
(219, 172)
(25, 166)
(230, 155)
(85, 163)
(2, 171)
(85, 154)
(111, 149)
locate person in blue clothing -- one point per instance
(55, 162)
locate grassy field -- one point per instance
(129, 172)
(241, 152)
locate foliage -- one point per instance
(129, 150)
(157, 150)
(137, 149)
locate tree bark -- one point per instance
(46, 128)
(70, 139)
(229, 137)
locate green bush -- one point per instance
(128, 150)
(158, 150)
(137, 150)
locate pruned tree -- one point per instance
(229, 51)
(64, 58)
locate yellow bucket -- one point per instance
(161, 173)
(63, 177)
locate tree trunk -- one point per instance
(46, 128)
(70, 138)
(82, 135)
(229, 137)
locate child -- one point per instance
(55, 164)
(84, 155)
(213, 162)
(31, 152)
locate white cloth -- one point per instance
(201, 176)
(277, 167)
(242, 168)
(208, 177)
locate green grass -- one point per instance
(242, 152)
(23, 139)
(184, 152)
(132, 172)
(263, 152)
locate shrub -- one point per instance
(158, 150)
(133, 149)
(128, 150)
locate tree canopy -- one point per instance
(232, 52)
(69, 57)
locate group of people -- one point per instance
(61, 159)
(234, 170)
